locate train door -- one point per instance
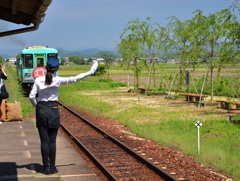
(39, 61)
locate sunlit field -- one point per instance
(170, 122)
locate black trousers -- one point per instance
(48, 145)
(48, 122)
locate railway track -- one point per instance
(117, 154)
(114, 159)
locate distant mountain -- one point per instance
(63, 53)
(84, 53)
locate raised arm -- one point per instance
(69, 80)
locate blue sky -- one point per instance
(78, 24)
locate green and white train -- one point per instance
(29, 58)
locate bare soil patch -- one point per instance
(158, 106)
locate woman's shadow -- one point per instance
(37, 168)
(9, 170)
(34, 167)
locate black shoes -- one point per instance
(45, 171)
(53, 170)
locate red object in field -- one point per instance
(39, 72)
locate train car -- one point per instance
(29, 58)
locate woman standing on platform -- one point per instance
(47, 111)
(3, 76)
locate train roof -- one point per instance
(25, 12)
(39, 49)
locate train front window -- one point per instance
(49, 55)
(28, 61)
(52, 55)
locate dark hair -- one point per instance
(48, 79)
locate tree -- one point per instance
(108, 60)
(131, 47)
(123, 48)
(89, 61)
(235, 6)
(217, 43)
(154, 43)
(213, 38)
(77, 60)
(179, 41)
(141, 40)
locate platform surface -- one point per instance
(20, 156)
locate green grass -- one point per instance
(90, 84)
(220, 139)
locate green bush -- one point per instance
(101, 70)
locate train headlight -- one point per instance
(27, 74)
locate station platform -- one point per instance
(20, 156)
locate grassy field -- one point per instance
(170, 123)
